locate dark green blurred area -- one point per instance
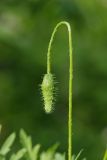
(25, 30)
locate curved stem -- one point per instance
(70, 80)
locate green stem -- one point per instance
(70, 80)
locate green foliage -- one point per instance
(18, 155)
(28, 152)
(105, 155)
(49, 154)
(59, 156)
(31, 152)
(5, 148)
(78, 155)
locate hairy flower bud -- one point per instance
(47, 88)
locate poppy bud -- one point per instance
(47, 88)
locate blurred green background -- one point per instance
(25, 30)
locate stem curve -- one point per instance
(70, 79)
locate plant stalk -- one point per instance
(70, 79)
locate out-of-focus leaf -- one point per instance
(26, 143)
(73, 157)
(78, 155)
(49, 154)
(18, 155)
(31, 153)
(35, 151)
(2, 158)
(59, 156)
(105, 155)
(7, 144)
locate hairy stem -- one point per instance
(70, 79)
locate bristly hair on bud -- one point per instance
(48, 88)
